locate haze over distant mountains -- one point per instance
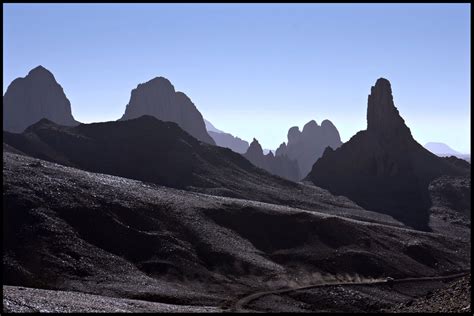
(308, 145)
(383, 168)
(226, 140)
(36, 96)
(279, 165)
(211, 128)
(443, 150)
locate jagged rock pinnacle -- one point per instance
(382, 115)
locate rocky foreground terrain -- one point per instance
(138, 244)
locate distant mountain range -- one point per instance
(279, 165)
(308, 145)
(443, 150)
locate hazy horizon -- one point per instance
(256, 70)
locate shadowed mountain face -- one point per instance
(158, 98)
(36, 96)
(150, 150)
(229, 141)
(279, 165)
(307, 146)
(383, 168)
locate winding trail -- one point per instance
(239, 305)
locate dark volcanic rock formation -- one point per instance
(279, 165)
(158, 98)
(150, 150)
(36, 96)
(229, 141)
(383, 168)
(307, 146)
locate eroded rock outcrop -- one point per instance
(383, 168)
(158, 98)
(308, 145)
(34, 97)
(279, 165)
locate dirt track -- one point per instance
(239, 305)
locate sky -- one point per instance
(255, 70)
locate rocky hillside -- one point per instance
(72, 230)
(148, 149)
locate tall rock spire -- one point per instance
(383, 117)
(383, 168)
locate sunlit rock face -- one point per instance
(34, 97)
(383, 168)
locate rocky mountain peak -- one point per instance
(34, 97)
(383, 117)
(293, 134)
(157, 97)
(310, 127)
(255, 148)
(40, 71)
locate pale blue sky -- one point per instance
(255, 70)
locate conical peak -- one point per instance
(255, 148)
(255, 143)
(40, 71)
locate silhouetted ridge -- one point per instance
(278, 165)
(36, 96)
(307, 146)
(383, 117)
(383, 168)
(158, 98)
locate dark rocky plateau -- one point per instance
(383, 168)
(69, 230)
(36, 96)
